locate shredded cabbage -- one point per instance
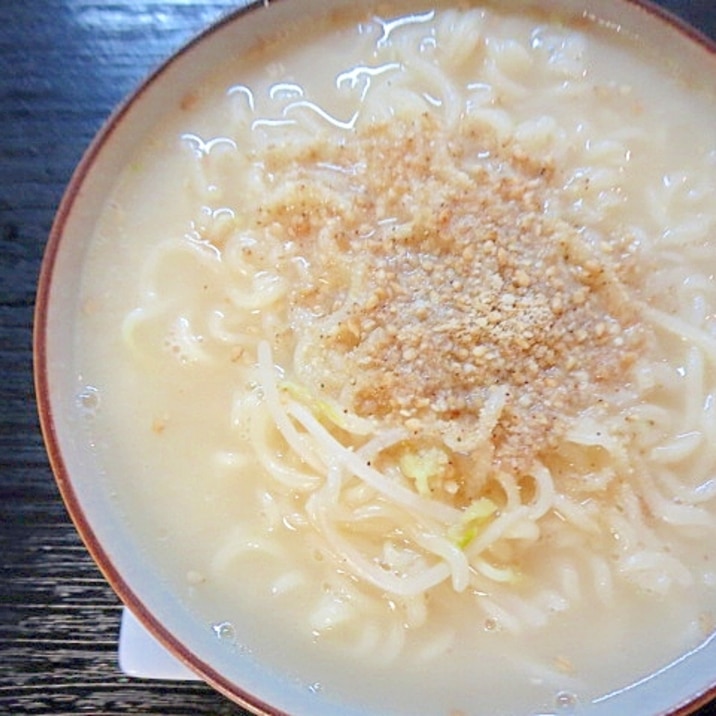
(424, 466)
(474, 519)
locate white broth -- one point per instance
(398, 342)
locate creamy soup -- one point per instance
(398, 342)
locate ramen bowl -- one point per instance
(346, 149)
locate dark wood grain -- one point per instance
(64, 65)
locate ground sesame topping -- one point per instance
(443, 276)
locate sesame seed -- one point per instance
(459, 281)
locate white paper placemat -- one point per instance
(143, 657)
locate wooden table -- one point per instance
(64, 64)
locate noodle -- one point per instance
(452, 307)
(329, 435)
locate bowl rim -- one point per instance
(47, 420)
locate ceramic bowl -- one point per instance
(679, 689)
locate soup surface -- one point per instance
(397, 341)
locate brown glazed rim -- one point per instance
(47, 422)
